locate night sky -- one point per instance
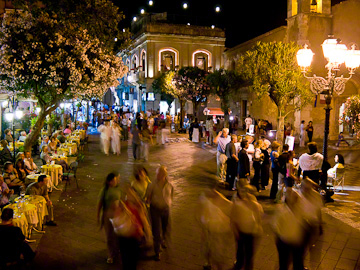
(241, 19)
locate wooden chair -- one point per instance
(71, 173)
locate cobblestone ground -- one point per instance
(77, 243)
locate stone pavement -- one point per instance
(77, 242)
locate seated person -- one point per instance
(40, 188)
(339, 163)
(11, 177)
(20, 169)
(61, 137)
(14, 239)
(52, 144)
(20, 155)
(5, 154)
(22, 136)
(8, 135)
(47, 158)
(341, 138)
(67, 130)
(5, 193)
(45, 141)
(30, 166)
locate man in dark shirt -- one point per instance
(13, 240)
(244, 163)
(232, 162)
(282, 162)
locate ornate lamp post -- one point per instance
(336, 54)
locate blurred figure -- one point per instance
(246, 224)
(115, 138)
(5, 154)
(5, 193)
(265, 165)
(146, 139)
(311, 202)
(109, 198)
(160, 195)
(22, 137)
(289, 229)
(136, 142)
(196, 131)
(257, 160)
(310, 130)
(244, 163)
(141, 182)
(105, 136)
(214, 218)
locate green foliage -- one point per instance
(33, 121)
(224, 84)
(160, 87)
(271, 69)
(351, 114)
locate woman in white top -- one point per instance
(339, 163)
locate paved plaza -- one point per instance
(77, 242)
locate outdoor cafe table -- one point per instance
(31, 178)
(74, 139)
(72, 148)
(41, 207)
(62, 150)
(19, 220)
(28, 209)
(57, 157)
(80, 132)
(53, 171)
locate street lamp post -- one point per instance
(336, 54)
(11, 115)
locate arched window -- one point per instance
(134, 62)
(201, 59)
(143, 60)
(168, 59)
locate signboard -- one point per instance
(150, 96)
(290, 140)
(251, 129)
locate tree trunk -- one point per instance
(226, 119)
(195, 108)
(280, 129)
(35, 131)
(182, 113)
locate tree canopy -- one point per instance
(271, 69)
(53, 58)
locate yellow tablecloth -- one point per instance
(62, 150)
(72, 148)
(81, 133)
(28, 209)
(11, 148)
(60, 158)
(53, 171)
(75, 139)
(20, 221)
(41, 207)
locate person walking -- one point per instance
(232, 162)
(214, 218)
(246, 224)
(160, 195)
(310, 130)
(302, 134)
(222, 139)
(116, 138)
(257, 160)
(265, 166)
(106, 132)
(136, 142)
(109, 198)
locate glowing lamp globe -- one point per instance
(304, 57)
(334, 52)
(19, 114)
(352, 60)
(9, 117)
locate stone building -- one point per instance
(161, 45)
(308, 22)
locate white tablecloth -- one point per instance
(53, 171)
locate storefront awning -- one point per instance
(213, 111)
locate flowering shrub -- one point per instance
(351, 114)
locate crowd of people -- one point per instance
(135, 215)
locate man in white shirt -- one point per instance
(30, 166)
(106, 132)
(310, 163)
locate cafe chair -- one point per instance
(339, 179)
(71, 173)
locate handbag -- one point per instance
(125, 224)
